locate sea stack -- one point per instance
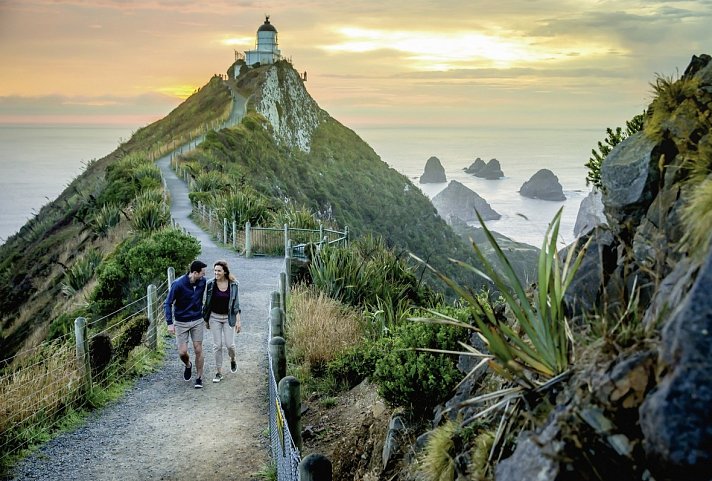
(434, 172)
(543, 185)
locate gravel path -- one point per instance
(163, 428)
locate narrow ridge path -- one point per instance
(163, 428)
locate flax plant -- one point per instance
(538, 348)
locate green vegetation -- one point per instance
(81, 272)
(539, 344)
(138, 262)
(613, 138)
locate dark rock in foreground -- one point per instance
(457, 200)
(543, 185)
(434, 172)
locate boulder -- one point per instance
(590, 213)
(631, 176)
(457, 200)
(434, 172)
(599, 261)
(543, 185)
(676, 418)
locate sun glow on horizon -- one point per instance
(180, 91)
(451, 50)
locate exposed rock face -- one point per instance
(590, 213)
(543, 185)
(287, 105)
(456, 200)
(682, 401)
(659, 399)
(434, 172)
(630, 176)
(491, 170)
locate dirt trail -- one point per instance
(164, 429)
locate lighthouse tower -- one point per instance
(266, 51)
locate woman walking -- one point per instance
(222, 314)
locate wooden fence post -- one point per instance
(283, 290)
(290, 398)
(81, 334)
(234, 234)
(151, 314)
(276, 320)
(279, 357)
(224, 230)
(171, 276)
(286, 239)
(315, 467)
(248, 240)
(275, 300)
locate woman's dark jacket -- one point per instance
(233, 306)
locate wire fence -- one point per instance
(40, 386)
(265, 241)
(285, 454)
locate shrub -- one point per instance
(212, 181)
(296, 218)
(417, 379)
(367, 274)
(105, 218)
(81, 272)
(149, 216)
(539, 345)
(243, 206)
(357, 362)
(613, 138)
(138, 262)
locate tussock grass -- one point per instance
(320, 328)
(34, 392)
(438, 460)
(697, 216)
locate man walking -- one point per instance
(186, 299)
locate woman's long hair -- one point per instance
(226, 269)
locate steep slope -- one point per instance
(33, 262)
(293, 152)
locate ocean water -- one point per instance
(521, 153)
(37, 162)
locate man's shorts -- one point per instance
(194, 329)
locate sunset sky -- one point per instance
(550, 63)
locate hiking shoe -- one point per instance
(233, 365)
(218, 377)
(198, 383)
(188, 371)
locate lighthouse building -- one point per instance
(267, 49)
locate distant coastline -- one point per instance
(38, 161)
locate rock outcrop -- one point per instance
(457, 200)
(590, 214)
(492, 170)
(282, 90)
(543, 185)
(642, 407)
(434, 173)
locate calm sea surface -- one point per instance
(37, 163)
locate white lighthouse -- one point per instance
(266, 51)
